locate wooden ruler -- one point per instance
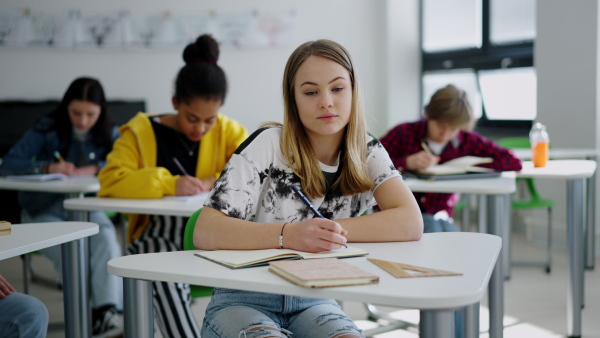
(399, 270)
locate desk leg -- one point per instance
(466, 213)
(590, 232)
(436, 324)
(506, 236)
(482, 214)
(471, 321)
(496, 287)
(138, 309)
(75, 289)
(575, 209)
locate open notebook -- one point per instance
(458, 168)
(236, 259)
(38, 177)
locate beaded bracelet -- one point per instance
(281, 236)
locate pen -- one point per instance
(308, 204)
(58, 157)
(180, 166)
(426, 148)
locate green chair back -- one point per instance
(535, 201)
(196, 291)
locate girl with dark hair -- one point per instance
(174, 154)
(81, 132)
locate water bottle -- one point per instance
(540, 145)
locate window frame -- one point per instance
(489, 56)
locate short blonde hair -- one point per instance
(295, 144)
(451, 105)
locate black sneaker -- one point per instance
(107, 323)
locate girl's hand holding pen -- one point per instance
(314, 235)
(324, 241)
(61, 167)
(188, 185)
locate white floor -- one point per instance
(535, 303)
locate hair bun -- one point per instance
(204, 49)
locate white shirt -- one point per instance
(256, 183)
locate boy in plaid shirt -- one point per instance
(447, 130)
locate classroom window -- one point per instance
(490, 42)
(512, 21)
(509, 94)
(451, 24)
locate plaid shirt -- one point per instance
(405, 139)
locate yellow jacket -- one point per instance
(131, 170)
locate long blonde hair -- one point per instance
(294, 142)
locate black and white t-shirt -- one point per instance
(256, 183)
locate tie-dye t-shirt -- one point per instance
(256, 183)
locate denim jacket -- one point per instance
(35, 149)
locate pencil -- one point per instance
(180, 166)
(58, 157)
(309, 205)
(426, 148)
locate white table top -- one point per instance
(472, 254)
(559, 169)
(159, 206)
(560, 153)
(504, 184)
(74, 185)
(28, 237)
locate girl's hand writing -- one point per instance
(61, 167)
(314, 235)
(208, 182)
(188, 185)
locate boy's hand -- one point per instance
(421, 160)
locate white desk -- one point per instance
(159, 206)
(578, 153)
(75, 185)
(494, 196)
(473, 254)
(575, 172)
(30, 237)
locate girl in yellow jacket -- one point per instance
(156, 155)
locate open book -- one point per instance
(236, 259)
(459, 165)
(320, 273)
(38, 177)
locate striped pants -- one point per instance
(172, 301)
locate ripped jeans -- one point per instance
(235, 313)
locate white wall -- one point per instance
(254, 74)
(566, 61)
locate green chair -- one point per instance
(535, 201)
(196, 291)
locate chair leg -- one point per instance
(549, 246)
(390, 323)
